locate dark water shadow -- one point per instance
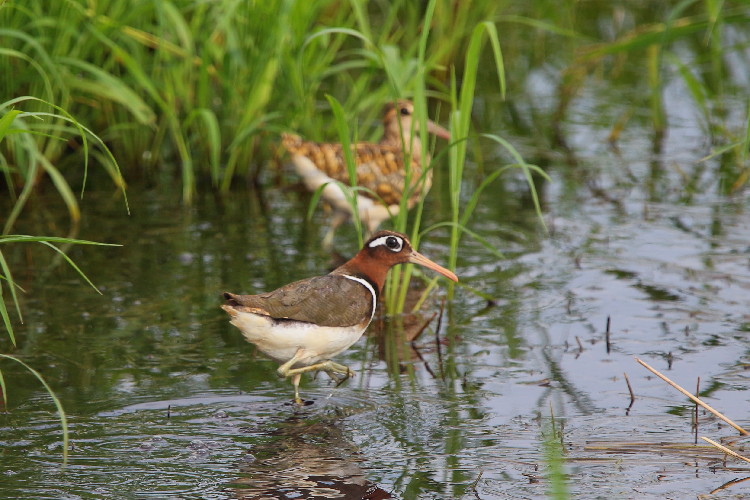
(306, 456)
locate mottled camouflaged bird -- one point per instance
(380, 169)
(304, 324)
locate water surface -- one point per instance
(166, 400)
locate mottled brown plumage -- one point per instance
(380, 168)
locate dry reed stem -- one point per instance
(630, 389)
(695, 399)
(641, 445)
(725, 449)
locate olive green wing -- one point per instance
(331, 300)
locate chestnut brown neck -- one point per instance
(363, 265)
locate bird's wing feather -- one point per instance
(330, 300)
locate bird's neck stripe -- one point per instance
(369, 286)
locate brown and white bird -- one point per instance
(381, 169)
(304, 324)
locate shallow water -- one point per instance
(165, 399)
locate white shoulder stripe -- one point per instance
(369, 287)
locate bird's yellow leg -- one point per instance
(327, 366)
(295, 383)
(331, 368)
(286, 369)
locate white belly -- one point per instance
(280, 340)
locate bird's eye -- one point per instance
(405, 111)
(393, 243)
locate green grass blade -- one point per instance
(360, 12)
(554, 458)
(55, 399)
(527, 172)
(340, 31)
(696, 88)
(3, 388)
(22, 238)
(351, 166)
(6, 316)
(14, 297)
(21, 200)
(135, 68)
(107, 87)
(6, 120)
(212, 138)
(461, 122)
(83, 132)
(72, 264)
(314, 201)
(62, 187)
(60, 182)
(48, 242)
(542, 26)
(494, 251)
(43, 65)
(744, 144)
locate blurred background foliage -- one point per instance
(198, 91)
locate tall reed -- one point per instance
(194, 88)
(554, 459)
(408, 78)
(20, 147)
(687, 40)
(460, 131)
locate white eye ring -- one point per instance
(392, 243)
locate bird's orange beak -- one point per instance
(439, 131)
(418, 258)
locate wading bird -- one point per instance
(381, 169)
(304, 324)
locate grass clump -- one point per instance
(22, 133)
(200, 89)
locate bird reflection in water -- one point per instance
(306, 458)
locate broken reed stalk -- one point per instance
(437, 340)
(695, 399)
(580, 345)
(725, 449)
(729, 484)
(695, 413)
(630, 389)
(606, 335)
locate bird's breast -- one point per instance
(280, 339)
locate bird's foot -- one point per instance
(331, 368)
(338, 373)
(338, 378)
